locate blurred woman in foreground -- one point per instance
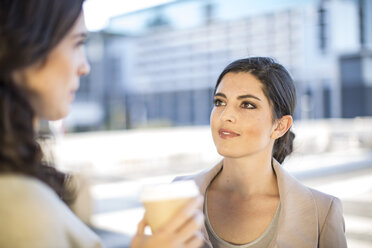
(42, 58)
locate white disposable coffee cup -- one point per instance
(162, 201)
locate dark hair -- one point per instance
(279, 89)
(29, 30)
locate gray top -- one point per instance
(261, 242)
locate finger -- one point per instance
(195, 242)
(183, 215)
(139, 241)
(190, 228)
(141, 226)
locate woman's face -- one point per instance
(241, 120)
(51, 85)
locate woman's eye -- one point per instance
(248, 105)
(81, 43)
(218, 102)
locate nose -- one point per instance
(84, 67)
(228, 115)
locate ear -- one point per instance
(17, 77)
(282, 126)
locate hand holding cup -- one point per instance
(173, 212)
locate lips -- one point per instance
(226, 134)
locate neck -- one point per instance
(247, 176)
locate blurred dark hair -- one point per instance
(29, 30)
(279, 89)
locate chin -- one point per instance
(54, 118)
(228, 152)
(58, 115)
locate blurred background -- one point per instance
(142, 114)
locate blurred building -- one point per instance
(356, 69)
(161, 65)
(100, 101)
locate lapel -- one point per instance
(298, 219)
(203, 179)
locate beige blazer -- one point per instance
(307, 219)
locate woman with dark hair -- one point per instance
(42, 58)
(250, 200)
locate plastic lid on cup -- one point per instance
(168, 191)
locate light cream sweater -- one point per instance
(32, 216)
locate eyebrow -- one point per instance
(80, 35)
(239, 97)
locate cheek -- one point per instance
(214, 123)
(49, 96)
(214, 118)
(63, 64)
(258, 127)
(66, 67)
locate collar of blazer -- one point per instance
(298, 218)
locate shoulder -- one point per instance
(325, 202)
(29, 204)
(24, 191)
(203, 178)
(289, 185)
(32, 213)
(329, 210)
(322, 199)
(186, 177)
(331, 224)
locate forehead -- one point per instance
(240, 83)
(79, 25)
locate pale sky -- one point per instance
(98, 12)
